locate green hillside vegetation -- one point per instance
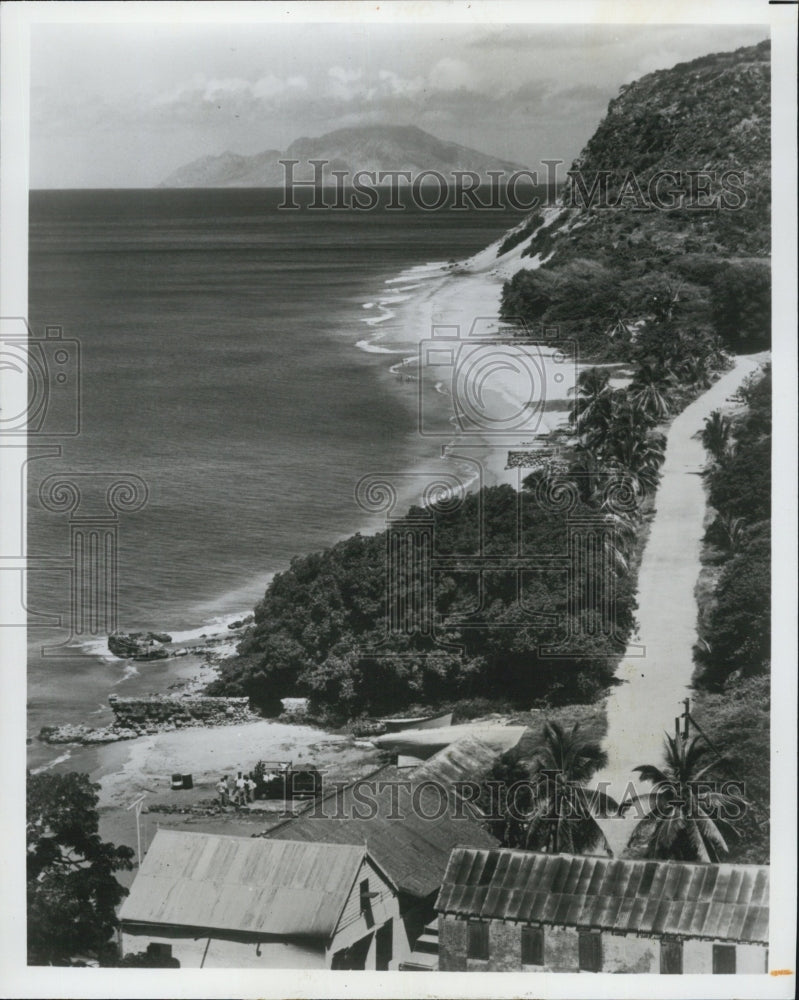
(734, 624)
(705, 268)
(320, 619)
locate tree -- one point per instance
(685, 812)
(592, 386)
(649, 389)
(72, 892)
(527, 296)
(716, 435)
(561, 811)
(638, 453)
(740, 299)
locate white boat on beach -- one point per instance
(418, 722)
(423, 743)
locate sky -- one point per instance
(124, 105)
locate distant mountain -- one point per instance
(373, 148)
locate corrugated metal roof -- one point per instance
(468, 759)
(243, 884)
(412, 850)
(722, 902)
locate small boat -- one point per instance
(423, 743)
(419, 722)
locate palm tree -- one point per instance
(639, 453)
(648, 390)
(592, 386)
(587, 471)
(716, 435)
(695, 370)
(683, 818)
(561, 816)
(730, 532)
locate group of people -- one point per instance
(236, 791)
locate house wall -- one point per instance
(630, 953)
(620, 952)
(504, 948)
(697, 956)
(196, 952)
(353, 925)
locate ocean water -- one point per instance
(231, 357)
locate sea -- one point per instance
(247, 365)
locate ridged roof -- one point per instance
(722, 902)
(244, 884)
(411, 849)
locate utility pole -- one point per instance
(137, 804)
(687, 716)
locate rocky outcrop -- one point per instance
(156, 714)
(139, 645)
(84, 734)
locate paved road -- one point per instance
(642, 709)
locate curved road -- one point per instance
(641, 710)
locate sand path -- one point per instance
(641, 710)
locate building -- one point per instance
(508, 910)
(213, 901)
(410, 821)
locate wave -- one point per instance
(131, 670)
(372, 348)
(396, 369)
(376, 320)
(431, 269)
(52, 763)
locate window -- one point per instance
(724, 959)
(532, 945)
(671, 958)
(477, 944)
(590, 948)
(366, 902)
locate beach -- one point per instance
(456, 305)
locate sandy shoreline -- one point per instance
(462, 301)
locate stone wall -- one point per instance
(625, 953)
(158, 710)
(156, 714)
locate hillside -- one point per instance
(649, 247)
(371, 148)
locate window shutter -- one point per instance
(532, 945)
(671, 958)
(478, 940)
(724, 959)
(590, 951)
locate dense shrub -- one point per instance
(737, 627)
(320, 630)
(741, 304)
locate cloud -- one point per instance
(451, 74)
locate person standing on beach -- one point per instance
(241, 790)
(231, 789)
(251, 786)
(221, 787)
